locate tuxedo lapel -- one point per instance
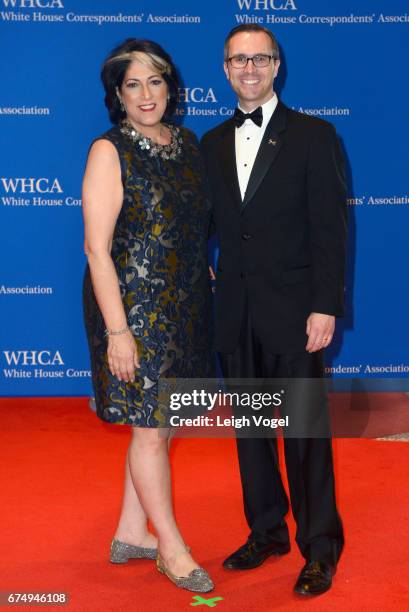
(229, 166)
(269, 149)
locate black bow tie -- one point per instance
(256, 116)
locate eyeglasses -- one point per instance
(260, 60)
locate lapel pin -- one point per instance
(272, 142)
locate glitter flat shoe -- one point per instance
(198, 579)
(121, 552)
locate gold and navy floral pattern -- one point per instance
(160, 255)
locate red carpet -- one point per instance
(61, 483)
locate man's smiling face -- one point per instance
(253, 86)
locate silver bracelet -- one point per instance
(109, 332)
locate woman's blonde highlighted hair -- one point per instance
(147, 53)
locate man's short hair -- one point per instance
(251, 27)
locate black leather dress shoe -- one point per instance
(315, 578)
(253, 553)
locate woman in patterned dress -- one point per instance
(147, 300)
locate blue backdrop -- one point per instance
(341, 60)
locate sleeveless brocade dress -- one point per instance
(160, 255)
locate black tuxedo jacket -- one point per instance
(283, 247)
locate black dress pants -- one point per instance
(308, 460)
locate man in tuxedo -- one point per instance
(278, 187)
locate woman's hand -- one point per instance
(123, 356)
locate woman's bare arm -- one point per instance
(102, 200)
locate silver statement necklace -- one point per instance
(154, 149)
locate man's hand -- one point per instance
(320, 330)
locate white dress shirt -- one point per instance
(248, 139)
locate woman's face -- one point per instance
(144, 94)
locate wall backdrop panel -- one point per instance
(341, 60)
